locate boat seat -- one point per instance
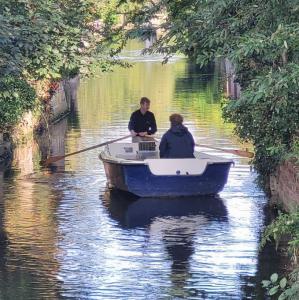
(174, 166)
(123, 150)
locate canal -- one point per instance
(64, 235)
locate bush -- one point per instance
(286, 225)
(260, 38)
(16, 97)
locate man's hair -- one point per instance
(176, 119)
(145, 100)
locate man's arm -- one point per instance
(153, 125)
(131, 125)
(132, 122)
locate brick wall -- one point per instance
(285, 185)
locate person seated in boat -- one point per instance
(177, 142)
(142, 121)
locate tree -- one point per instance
(53, 39)
(261, 40)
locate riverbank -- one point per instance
(57, 107)
(284, 182)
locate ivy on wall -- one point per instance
(16, 97)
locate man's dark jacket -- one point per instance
(143, 123)
(177, 142)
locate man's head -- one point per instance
(144, 104)
(176, 119)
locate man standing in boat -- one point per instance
(177, 142)
(142, 121)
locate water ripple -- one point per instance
(65, 236)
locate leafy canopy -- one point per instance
(50, 40)
(261, 39)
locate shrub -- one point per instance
(16, 97)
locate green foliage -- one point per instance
(294, 152)
(285, 226)
(53, 39)
(261, 39)
(283, 288)
(267, 114)
(16, 97)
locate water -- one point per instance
(65, 236)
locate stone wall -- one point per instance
(285, 186)
(24, 129)
(52, 142)
(61, 103)
(71, 88)
(5, 150)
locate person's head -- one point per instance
(145, 104)
(176, 119)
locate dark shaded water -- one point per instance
(65, 236)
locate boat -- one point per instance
(137, 168)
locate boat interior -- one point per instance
(146, 150)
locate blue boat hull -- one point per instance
(138, 179)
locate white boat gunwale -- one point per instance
(107, 156)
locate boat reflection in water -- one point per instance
(176, 224)
(132, 211)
